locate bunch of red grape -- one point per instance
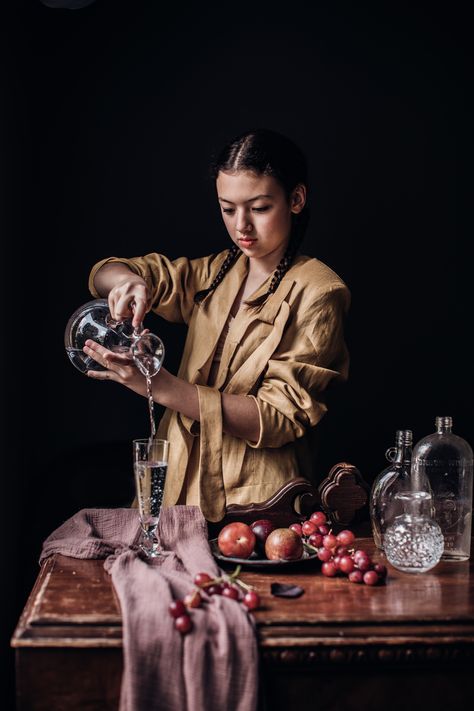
(228, 586)
(336, 552)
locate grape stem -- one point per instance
(196, 592)
(233, 577)
(243, 585)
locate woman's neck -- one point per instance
(262, 267)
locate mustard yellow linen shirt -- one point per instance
(282, 356)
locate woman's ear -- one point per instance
(298, 199)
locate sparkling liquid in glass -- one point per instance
(150, 485)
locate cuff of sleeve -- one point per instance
(258, 444)
(276, 428)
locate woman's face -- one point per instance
(257, 213)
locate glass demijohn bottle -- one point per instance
(447, 461)
(395, 478)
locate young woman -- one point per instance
(265, 334)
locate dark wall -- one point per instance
(110, 116)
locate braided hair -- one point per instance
(264, 152)
(226, 265)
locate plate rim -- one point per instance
(261, 562)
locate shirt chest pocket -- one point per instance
(256, 333)
(253, 351)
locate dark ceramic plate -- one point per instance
(255, 562)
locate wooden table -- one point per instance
(407, 644)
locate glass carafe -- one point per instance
(93, 320)
(413, 542)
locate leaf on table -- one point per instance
(286, 590)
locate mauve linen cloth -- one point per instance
(215, 666)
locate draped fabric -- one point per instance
(215, 666)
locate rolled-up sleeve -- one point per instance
(289, 397)
(172, 283)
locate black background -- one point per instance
(110, 116)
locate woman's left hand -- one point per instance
(119, 367)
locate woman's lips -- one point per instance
(246, 242)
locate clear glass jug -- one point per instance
(447, 461)
(93, 320)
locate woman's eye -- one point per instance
(231, 210)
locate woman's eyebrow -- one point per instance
(258, 197)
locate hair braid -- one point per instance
(226, 265)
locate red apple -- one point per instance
(262, 529)
(236, 540)
(283, 544)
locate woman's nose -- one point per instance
(243, 223)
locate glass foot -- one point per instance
(150, 546)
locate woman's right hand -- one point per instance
(129, 298)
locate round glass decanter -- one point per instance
(414, 542)
(392, 480)
(93, 320)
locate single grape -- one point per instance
(329, 569)
(251, 600)
(345, 538)
(341, 550)
(362, 560)
(356, 576)
(318, 518)
(177, 608)
(330, 541)
(193, 599)
(363, 564)
(183, 624)
(231, 593)
(381, 570)
(201, 579)
(324, 554)
(371, 577)
(308, 528)
(214, 589)
(315, 540)
(346, 564)
(296, 527)
(324, 529)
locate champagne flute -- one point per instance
(150, 461)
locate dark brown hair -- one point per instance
(264, 152)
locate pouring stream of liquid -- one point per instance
(151, 406)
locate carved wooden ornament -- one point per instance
(344, 494)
